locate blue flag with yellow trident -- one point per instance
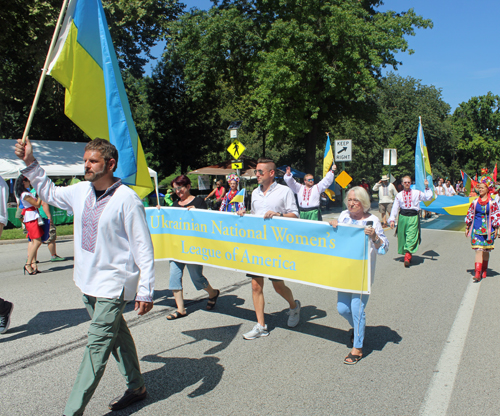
(84, 62)
(422, 164)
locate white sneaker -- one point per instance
(294, 315)
(257, 331)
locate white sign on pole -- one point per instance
(393, 153)
(343, 151)
(233, 134)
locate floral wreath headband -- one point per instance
(487, 181)
(233, 177)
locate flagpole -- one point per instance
(44, 71)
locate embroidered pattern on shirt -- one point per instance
(92, 213)
(407, 199)
(306, 195)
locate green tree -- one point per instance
(27, 28)
(476, 128)
(397, 105)
(297, 65)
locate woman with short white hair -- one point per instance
(352, 305)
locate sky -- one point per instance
(460, 55)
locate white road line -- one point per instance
(439, 392)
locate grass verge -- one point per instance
(17, 233)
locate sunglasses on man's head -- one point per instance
(309, 180)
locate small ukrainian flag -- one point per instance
(239, 197)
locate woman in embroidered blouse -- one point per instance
(226, 205)
(30, 219)
(482, 222)
(352, 305)
(182, 187)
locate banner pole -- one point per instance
(44, 71)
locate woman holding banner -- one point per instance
(482, 220)
(352, 305)
(226, 204)
(182, 187)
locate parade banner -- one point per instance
(308, 252)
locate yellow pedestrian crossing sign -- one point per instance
(236, 149)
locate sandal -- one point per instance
(176, 315)
(213, 301)
(25, 269)
(354, 359)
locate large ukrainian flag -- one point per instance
(449, 205)
(84, 62)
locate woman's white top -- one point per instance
(28, 215)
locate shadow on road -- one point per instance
(47, 323)
(174, 376)
(376, 338)
(418, 260)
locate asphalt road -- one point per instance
(423, 353)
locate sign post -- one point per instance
(236, 148)
(343, 153)
(390, 158)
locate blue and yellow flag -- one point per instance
(449, 205)
(84, 62)
(327, 164)
(239, 197)
(467, 183)
(422, 164)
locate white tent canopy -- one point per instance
(57, 158)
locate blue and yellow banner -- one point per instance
(84, 62)
(301, 251)
(449, 205)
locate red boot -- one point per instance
(477, 277)
(407, 259)
(485, 267)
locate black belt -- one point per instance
(308, 209)
(408, 212)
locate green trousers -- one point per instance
(408, 234)
(314, 215)
(108, 333)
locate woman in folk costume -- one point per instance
(482, 222)
(226, 204)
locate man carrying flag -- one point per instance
(406, 207)
(114, 265)
(309, 194)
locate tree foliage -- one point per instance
(296, 65)
(476, 127)
(398, 103)
(27, 28)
